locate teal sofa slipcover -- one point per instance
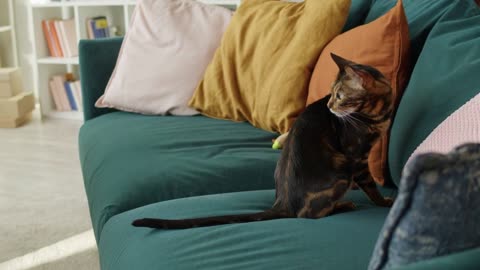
(343, 241)
(176, 167)
(132, 160)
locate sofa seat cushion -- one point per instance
(342, 241)
(131, 160)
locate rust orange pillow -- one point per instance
(262, 69)
(383, 44)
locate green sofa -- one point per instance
(137, 166)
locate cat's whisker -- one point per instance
(352, 122)
(345, 119)
(343, 122)
(356, 120)
(348, 118)
(353, 115)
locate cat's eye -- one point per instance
(339, 96)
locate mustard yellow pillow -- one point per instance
(261, 71)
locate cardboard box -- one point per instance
(15, 122)
(17, 106)
(10, 82)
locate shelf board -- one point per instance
(98, 3)
(221, 2)
(73, 115)
(117, 3)
(82, 3)
(5, 28)
(52, 4)
(58, 60)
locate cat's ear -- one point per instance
(342, 63)
(360, 77)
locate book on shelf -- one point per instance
(66, 93)
(77, 94)
(52, 46)
(61, 37)
(58, 38)
(97, 27)
(71, 98)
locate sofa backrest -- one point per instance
(97, 61)
(421, 15)
(445, 75)
(442, 80)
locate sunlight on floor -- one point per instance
(60, 250)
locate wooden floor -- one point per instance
(42, 198)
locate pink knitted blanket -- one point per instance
(462, 126)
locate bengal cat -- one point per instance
(325, 152)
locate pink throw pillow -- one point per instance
(164, 56)
(462, 126)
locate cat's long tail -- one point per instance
(208, 221)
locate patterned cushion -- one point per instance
(436, 211)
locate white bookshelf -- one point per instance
(8, 44)
(118, 13)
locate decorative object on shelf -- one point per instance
(16, 105)
(115, 31)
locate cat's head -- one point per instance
(359, 89)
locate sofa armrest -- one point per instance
(97, 61)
